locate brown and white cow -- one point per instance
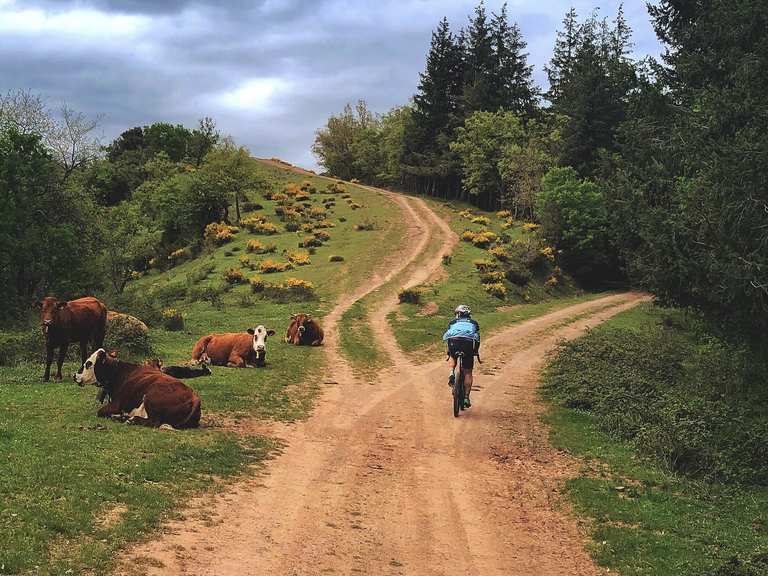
(144, 393)
(304, 331)
(82, 320)
(234, 349)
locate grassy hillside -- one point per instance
(74, 488)
(670, 423)
(479, 272)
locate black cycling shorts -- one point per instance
(465, 345)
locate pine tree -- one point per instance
(480, 64)
(560, 66)
(512, 78)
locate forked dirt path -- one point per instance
(383, 480)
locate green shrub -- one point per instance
(210, 294)
(335, 258)
(173, 319)
(409, 295)
(496, 289)
(518, 273)
(129, 336)
(234, 276)
(22, 346)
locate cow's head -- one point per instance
(49, 312)
(260, 343)
(303, 323)
(93, 369)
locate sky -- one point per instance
(269, 72)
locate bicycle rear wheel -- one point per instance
(458, 388)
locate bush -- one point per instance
(335, 258)
(298, 258)
(199, 274)
(265, 228)
(517, 273)
(468, 236)
(447, 259)
(293, 290)
(322, 235)
(245, 262)
(21, 347)
(484, 238)
(355, 206)
(410, 296)
(325, 224)
(365, 225)
(504, 214)
(178, 256)
(128, 334)
(172, 319)
(218, 233)
(674, 390)
(256, 247)
(492, 277)
(317, 212)
(500, 253)
(292, 227)
(253, 221)
(234, 276)
(271, 266)
(496, 289)
(209, 294)
(249, 206)
(481, 220)
(485, 265)
(310, 242)
(257, 284)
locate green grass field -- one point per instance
(645, 519)
(66, 471)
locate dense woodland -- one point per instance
(649, 170)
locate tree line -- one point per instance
(650, 170)
(77, 216)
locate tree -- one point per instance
(204, 138)
(334, 144)
(512, 77)
(574, 219)
(72, 141)
(479, 93)
(228, 171)
(560, 68)
(127, 243)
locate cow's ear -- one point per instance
(60, 305)
(293, 316)
(271, 332)
(250, 331)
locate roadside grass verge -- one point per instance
(357, 341)
(65, 470)
(671, 435)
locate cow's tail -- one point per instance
(198, 352)
(193, 419)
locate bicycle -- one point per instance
(458, 385)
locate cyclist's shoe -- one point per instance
(451, 379)
(467, 403)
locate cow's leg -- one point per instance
(48, 361)
(236, 362)
(60, 361)
(83, 351)
(109, 409)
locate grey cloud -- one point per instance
(325, 53)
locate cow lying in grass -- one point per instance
(234, 349)
(304, 331)
(182, 372)
(143, 393)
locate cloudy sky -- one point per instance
(268, 71)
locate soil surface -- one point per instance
(382, 479)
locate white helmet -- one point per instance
(462, 310)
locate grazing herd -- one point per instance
(152, 394)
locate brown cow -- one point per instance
(83, 320)
(234, 349)
(304, 331)
(146, 394)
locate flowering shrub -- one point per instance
(291, 189)
(503, 214)
(466, 214)
(500, 253)
(552, 281)
(325, 224)
(549, 253)
(496, 289)
(307, 187)
(484, 238)
(310, 242)
(135, 274)
(172, 319)
(494, 277)
(485, 265)
(322, 235)
(252, 221)
(257, 284)
(269, 266)
(530, 227)
(507, 224)
(245, 262)
(468, 236)
(481, 220)
(256, 247)
(298, 258)
(234, 276)
(302, 197)
(218, 233)
(355, 206)
(266, 228)
(177, 255)
(317, 212)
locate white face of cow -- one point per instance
(87, 373)
(260, 341)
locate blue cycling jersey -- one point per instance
(463, 328)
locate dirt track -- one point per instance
(383, 480)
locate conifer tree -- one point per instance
(560, 67)
(480, 60)
(513, 82)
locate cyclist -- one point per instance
(463, 335)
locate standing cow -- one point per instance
(83, 320)
(143, 393)
(304, 331)
(234, 349)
